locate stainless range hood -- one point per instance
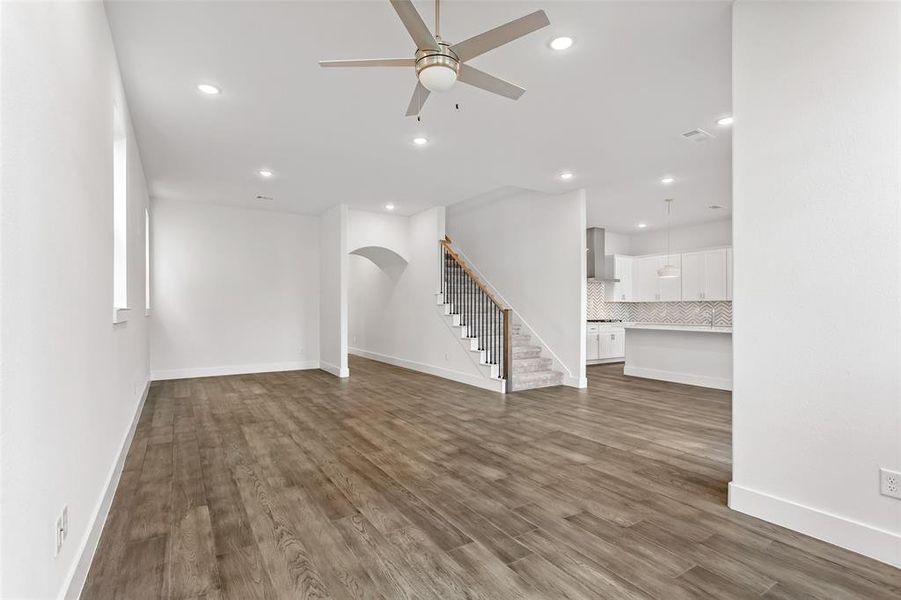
(597, 257)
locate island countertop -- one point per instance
(677, 327)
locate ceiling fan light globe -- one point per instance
(438, 78)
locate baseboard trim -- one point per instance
(576, 382)
(882, 545)
(78, 574)
(334, 369)
(473, 380)
(233, 370)
(718, 383)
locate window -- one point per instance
(120, 216)
(146, 262)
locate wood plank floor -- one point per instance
(394, 484)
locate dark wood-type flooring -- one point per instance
(394, 484)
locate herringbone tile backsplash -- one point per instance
(696, 313)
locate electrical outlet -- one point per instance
(890, 483)
(62, 529)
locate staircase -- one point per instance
(505, 350)
(530, 370)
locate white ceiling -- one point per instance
(611, 108)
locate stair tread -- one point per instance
(537, 374)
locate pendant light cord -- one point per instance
(669, 204)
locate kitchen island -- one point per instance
(693, 354)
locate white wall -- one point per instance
(333, 291)
(531, 248)
(393, 313)
(234, 290)
(817, 401)
(70, 381)
(687, 237)
(617, 243)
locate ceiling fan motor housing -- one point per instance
(442, 57)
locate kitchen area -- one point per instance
(665, 316)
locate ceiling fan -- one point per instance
(439, 65)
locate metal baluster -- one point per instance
(481, 321)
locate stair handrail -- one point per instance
(446, 242)
(505, 312)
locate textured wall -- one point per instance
(655, 312)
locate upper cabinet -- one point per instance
(622, 290)
(670, 287)
(646, 281)
(704, 275)
(650, 287)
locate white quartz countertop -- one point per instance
(677, 327)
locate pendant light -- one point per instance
(668, 270)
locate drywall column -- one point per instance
(817, 400)
(333, 291)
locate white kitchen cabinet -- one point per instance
(591, 342)
(621, 268)
(649, 286)
(670, 287)
(604, 341)
(591, 346)
(645, 281)
(617, 343)
(604, 345)
(704, 275)
(693, 273)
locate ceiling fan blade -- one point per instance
(489, 83)
(370, 62)
(499, 36)
(421, 35)
(420, 93)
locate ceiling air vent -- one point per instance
(697, 135)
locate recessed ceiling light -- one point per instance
(667, 180)
(265, 173)
(389, 207)
(725, 121)
(565, 175)
(208, 89)
(561, 43)
(642, 225)
(420, 141)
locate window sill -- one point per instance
(120, 315)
